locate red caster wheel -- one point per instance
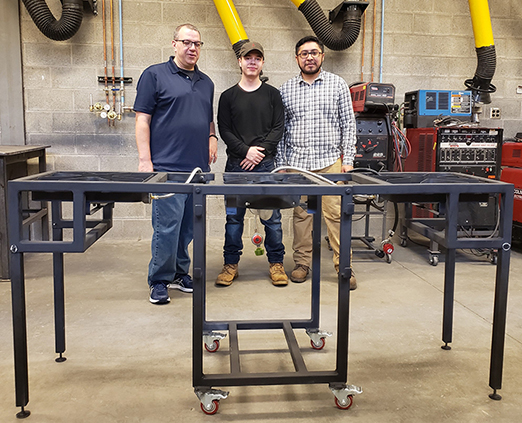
(318, 346)
(347, 405)
(213, 347)
(213, 409)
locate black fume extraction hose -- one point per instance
(66, 27)
(334, 40)
(486, 65)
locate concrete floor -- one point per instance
(130, 361)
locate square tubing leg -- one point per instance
(20, 334)
(315, 204)
(199, 274)
(343, 296)
(58, 285)
(452, 203)
(501, 294)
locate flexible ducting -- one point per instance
(486, 65)
(66, 27)
(237, 46)
(334, 40)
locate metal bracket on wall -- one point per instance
(344, 6)
(117, 79)
(93, 4)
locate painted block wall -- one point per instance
(428, 44)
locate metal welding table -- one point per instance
(93, 192)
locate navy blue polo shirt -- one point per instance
(181, 111)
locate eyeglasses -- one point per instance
(188, 43)
(305, 54)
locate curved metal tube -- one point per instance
(65, 28)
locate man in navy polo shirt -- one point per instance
(174, 133)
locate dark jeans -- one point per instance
(275, 250)
(173, 228)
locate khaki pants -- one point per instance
(302, 243)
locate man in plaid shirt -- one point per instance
(320, 137)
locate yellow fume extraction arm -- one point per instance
(481, 85)
(351, 12)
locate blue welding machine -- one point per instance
(423, 107)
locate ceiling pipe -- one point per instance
(65, 28)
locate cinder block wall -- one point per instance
(428, 44)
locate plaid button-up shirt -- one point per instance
(319, 123)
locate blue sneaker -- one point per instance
(159, 294)
(182, 282)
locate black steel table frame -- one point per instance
(394, 187)
(13, 164)
(201, 326)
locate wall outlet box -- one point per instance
(494, 113)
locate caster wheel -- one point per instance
(493, 259)
(404, 243)
(434, 260)
(213, 347)
(213, 409)
(388, 258)
(318, 346)
(347, 405)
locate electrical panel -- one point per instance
(423, 107)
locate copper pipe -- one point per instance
(122, 84)
(104, 52)
(373, 35)
(363, 41)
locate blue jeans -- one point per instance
(275, 250)
(172, 220)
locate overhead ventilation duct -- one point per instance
(352, 12)
(481, 85)
(58, 30)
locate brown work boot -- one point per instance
(278, 275)
(353, 281)
(227, 275)
(300, 273)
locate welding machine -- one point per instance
(472, 150)
(512, 154)
(513, 176)
(512, 157)
(423, 107)
(372, 102)
(371, 96)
